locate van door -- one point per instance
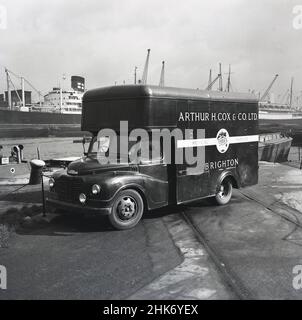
(192, 181)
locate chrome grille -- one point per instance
(68, 189)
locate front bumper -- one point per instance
(75, 208)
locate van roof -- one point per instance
(148, 91)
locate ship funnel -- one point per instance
(78, 83)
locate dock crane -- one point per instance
(210, 85)
(210, 79)
(285, 95)
(10, 84)
(269, 88)
(219, 77)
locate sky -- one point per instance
(103, 40)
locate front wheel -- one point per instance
(224, 192)
(127, 210)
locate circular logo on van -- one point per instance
(222, 143)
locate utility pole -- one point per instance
(145, 73)
(162, 75)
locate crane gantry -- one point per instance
(265, 94)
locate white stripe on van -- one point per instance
(189, 143)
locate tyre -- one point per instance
(224, 192)
(127, 210)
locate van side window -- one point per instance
(147, 152)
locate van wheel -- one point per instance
(224, 192)
(127, 210)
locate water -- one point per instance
(50, 148)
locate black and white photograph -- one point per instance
(150, 151)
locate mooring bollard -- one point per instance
(36, 177)
(36, 171)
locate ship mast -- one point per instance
(220, 78)
(61, 92)
(162, 75)
(23, 91)
(8, 89)
(285, 95)
(61, 98)
(229, 79)
(291, 92)
(145, 73)
(135, 74)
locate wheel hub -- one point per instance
(221, 191)
(126, 208)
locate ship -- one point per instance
(282, 116)
(58, 113)
(276, 117)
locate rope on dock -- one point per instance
(7, 194)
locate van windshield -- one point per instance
(140, 151)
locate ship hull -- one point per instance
(274, 147)
(291, 126)
(14, 124)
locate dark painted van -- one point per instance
(228, 145)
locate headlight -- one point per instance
(96, 189)
(51, 182)
(82, 198)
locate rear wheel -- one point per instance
(224, 192)
(127, 209)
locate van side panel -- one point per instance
(144, 113)
(229, 122)
(241, 158)
(239, 122)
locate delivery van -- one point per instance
(158, 146)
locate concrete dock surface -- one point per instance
(83, 258)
